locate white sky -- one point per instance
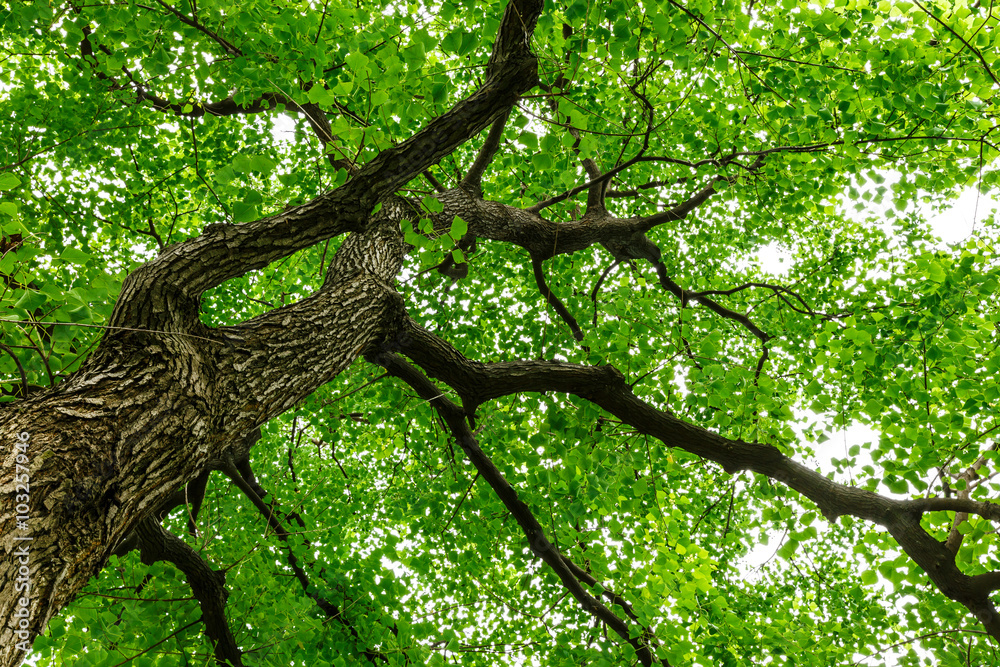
(954, 225)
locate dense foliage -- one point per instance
(823, 134)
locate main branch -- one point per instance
(607, 388)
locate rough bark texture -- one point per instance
(164, 396)
(151, 410)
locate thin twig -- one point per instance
(113, 328)
(554, 301)
(20, 368)
(230, 48)
(961, 39)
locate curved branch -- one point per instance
(987, 510)
(728, 47)
(229, 47)
(680, 211)
(634, 192)
(226, 251)
(824, 65)
(315, 116)
(229, 107)
(473, 181)
(543, 238)
(961, 39)
(222, 108)
(595, 193)
(668, 284)
(320, 126)
(607, 388)
(554, 301)
(208, 585)
(586, 578)
(597, 286)
(255, 494)
(652, 254)
(454, 416)
(590, 184)
(778, 291)
(604, 178)
(20, 369)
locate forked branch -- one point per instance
(607, 388)
(454, 417)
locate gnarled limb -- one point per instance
(208, 585)
(454, 417)
(607, 388)
(495, 221)
(163, 396)
(226, 251)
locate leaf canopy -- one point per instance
(829, 134)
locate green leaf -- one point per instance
(30, 300)
(75, 256)
(245, 212)
(320, 95)
(788, 549)
(458, 228)
(357, 61)
(262, 164)
(541, 161)
(8, 181)
(224, 175)
(432, 204)
(242, 164)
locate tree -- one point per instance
(436, 332)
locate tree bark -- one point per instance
(165, 398)
(148, 413)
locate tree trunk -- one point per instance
(149, 412)
(165, 398)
